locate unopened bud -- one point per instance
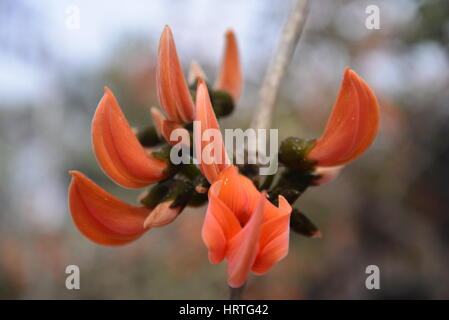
(148, 137)
(222, 103)
(302, 225)
(162, 215)
(293, 152)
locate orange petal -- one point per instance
(168, 127)
(206, 120)
(352, 126)
(220, 225)
(369, 117)
(274, 236)
(238, 193)
(165, 127)
(243, 247)
(173, 92)
(101, 217)
(117, 149)
(230, 76)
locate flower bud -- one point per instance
(162, 215)
(222, 102)
(302, 225)
(293, 152)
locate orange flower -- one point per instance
(241, 225)
(244, 227)
(102, 217)
(217, 160)
(106, 220)
(110, 222)
(119, 153)
(352, 125)
(173, 92)
(230, 75)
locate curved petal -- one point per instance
(214, 238)
(243, 247)
(101, 217)
(352, 125)
(173, 92)
(206, 120)
(238, 193)
(369, 117)
(117, 149)
(274, 237)
(273, 252)
(230, 75)
(220, 225)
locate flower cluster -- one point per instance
(247, 222)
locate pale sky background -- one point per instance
(103, 22)
(199, 26)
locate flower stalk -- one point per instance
(278, 66)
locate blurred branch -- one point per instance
(270, 87)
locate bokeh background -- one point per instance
(389, 208)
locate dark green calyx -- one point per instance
(185, 187)
(291, 185)
(302, 225)
(199, 194)
(197, 199)
(148, 137)
(156, 195)
(222, 102)
(163, 153)
(293, 153)
(251, 171)
(267, 182)
(291, 195)
(177, 190)
(182, 192)
(189, 171)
